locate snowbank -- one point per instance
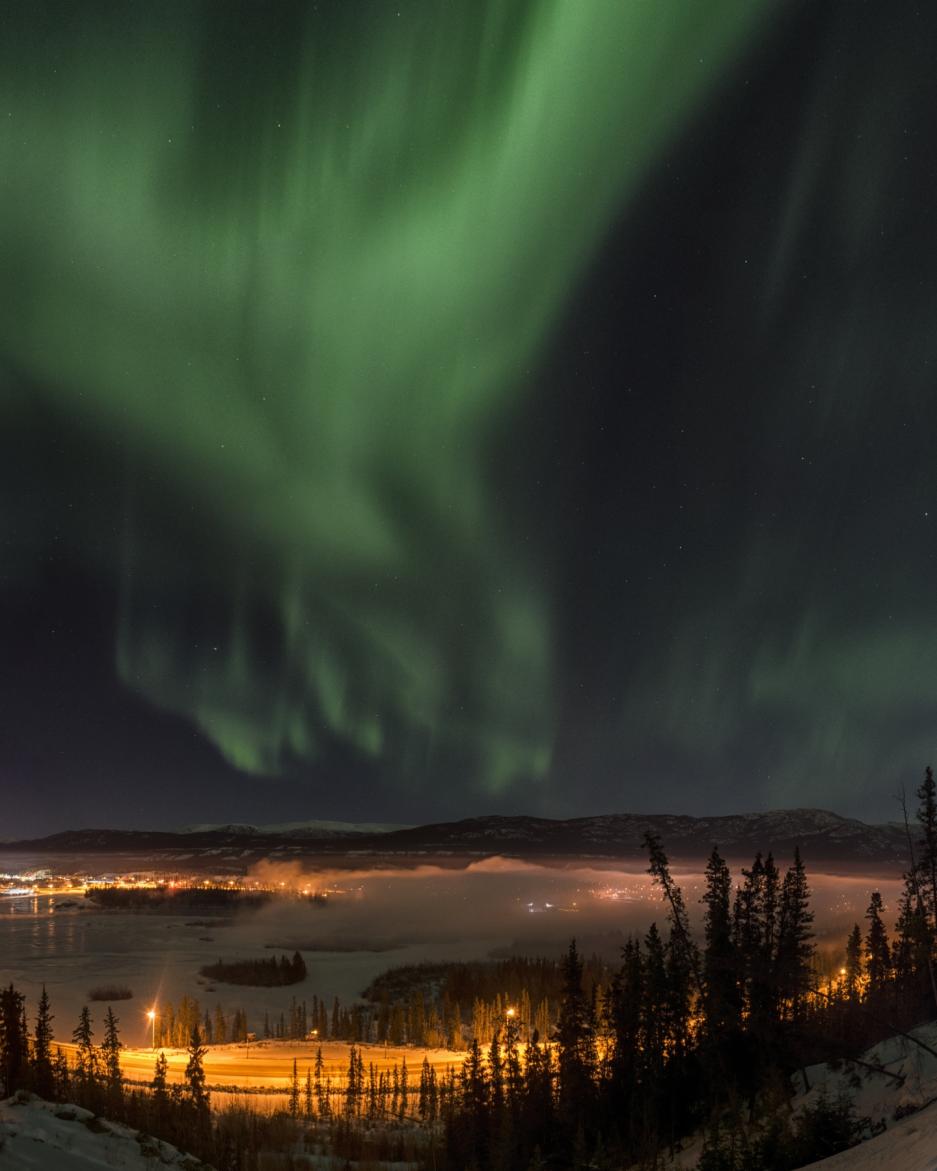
(901, 1102)
(47, 1136)
(909, 1145)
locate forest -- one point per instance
(685, 1037)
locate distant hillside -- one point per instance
(820, 834)
(300, 829)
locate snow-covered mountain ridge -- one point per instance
(821, 835)
(817, 831)
(310, 829)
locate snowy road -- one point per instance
(270, 1063)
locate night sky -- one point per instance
(410, 410)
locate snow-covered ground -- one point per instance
(909, 1145)
(910, 1141)
(911, 1086)
(898, 1106)
(45, 1136)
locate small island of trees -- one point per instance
(268, 972)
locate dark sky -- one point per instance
(410, 411)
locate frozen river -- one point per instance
(380, 920)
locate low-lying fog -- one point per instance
(371, 920)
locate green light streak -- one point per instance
(310, 308)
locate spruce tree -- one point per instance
(927, 816)
(659, 869)
(294, 1091)
(679, 989)
(220, 1029)
(404, 1088)
(195, 1075)
(373, 1088)
(110, 1053)
(42, 1074)
(86, 1061)
(14, 1053)
(746, 931)
(795, 941)
(60, 1074)
(423, 1098)
(160, 1097)
(761, 959)
(574, 1037)
(321, 1097)
(513, 1076)
(721, 1005)
(351, 1083)
(538, 1104)
(654, 1006)
(769, 907)
(916, 921)
(878, 956)
(475, 1106)
(624, 1021)
(853, 965)
(496, 1071)
(160, 1082)
(902, 953)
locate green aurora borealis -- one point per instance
(302, 277)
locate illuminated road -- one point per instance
(270, 1063)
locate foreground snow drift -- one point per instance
(903, 1104)
(910, 1145)
(48, 1136)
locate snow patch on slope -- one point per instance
(47, 1136)
(907, 1088)
(909, 1142)
(910, 1145)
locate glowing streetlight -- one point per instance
(151, 1017)
(512, 1012)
